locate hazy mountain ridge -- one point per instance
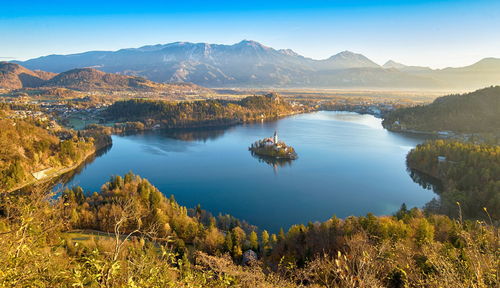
(393, 64)
(15, 76)
(92, 79)
(249, 63)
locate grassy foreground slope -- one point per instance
(155, 242)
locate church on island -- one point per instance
(272, 147)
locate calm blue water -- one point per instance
(348, 165)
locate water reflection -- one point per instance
(58, 183)
(153, 144)
(353, 117)
(196, 134)
(425, 181)
(272, 161)
(163, 142)
(436, 205)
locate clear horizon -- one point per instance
(437, 34)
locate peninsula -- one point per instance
(271, 147)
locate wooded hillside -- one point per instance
(474, 112)
(168, 114)
(28, 146)
(469, 174)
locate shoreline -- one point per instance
(57, 173)
(190, 126)
(196, 125)
(65, 170)
(259, 152)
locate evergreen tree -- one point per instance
(228, 242)
(281, 235)
(274, 240)
(254, 241)
(402, 212)
(265, 242)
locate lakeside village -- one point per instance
(272, 147)
(54, 112)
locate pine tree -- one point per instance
(265, 242)
(228, 242)
(254, 241)
(274, 240)
(281, 235)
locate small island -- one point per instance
(271, 147)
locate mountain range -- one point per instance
(251, 64)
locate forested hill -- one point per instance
(14, 76)
(469, 174)
(474, 112)
(31, 151)
(87, 79)
(167, 114)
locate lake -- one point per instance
(348, 165)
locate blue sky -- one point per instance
(414, 32)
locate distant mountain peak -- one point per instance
(346, 53)
(348, 59)
(405, 68)
(489, 63)
(393, 64)
(251, 43)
